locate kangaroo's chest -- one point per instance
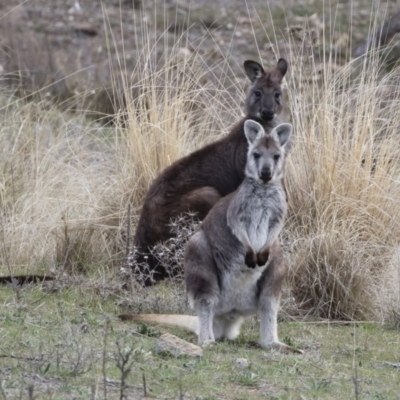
(261, 216)
(257, 226)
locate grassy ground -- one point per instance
(67, 183)
(65, 345)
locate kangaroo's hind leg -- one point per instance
(205, 313)
(269, 300)
(201, 200)
(218, 328)
(202, 284)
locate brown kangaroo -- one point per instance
(196, 182)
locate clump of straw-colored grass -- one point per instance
(344, 190)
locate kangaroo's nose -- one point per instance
(267, 115)
(266, 174)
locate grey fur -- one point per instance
(234, 264)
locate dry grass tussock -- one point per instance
(57, 176)
(66, 183)
(344, 189)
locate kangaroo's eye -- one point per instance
(257, 93)
(256, 156)
(277, 157)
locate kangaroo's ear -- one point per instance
(282, 66)
(280, 70)
(253, 70)
(282, 133)
(253, 131)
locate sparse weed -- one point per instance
(147, 330)
(245, 379)
(169, 254)
(124, 363)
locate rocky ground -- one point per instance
(80, 49)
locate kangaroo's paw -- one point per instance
(282, 348)
(250, 258)
(262, 258)
(208, 343)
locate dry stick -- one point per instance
(105, 358)
(93, 392)
(355, 381)
(23, 279)
(19, 358)
(180, 387)
(122, 362)
(2, 390)
(355, 375)
(128, 234)
(12, 184)
(144, 385)
(14, 286)
(31, 390)
(128, 239)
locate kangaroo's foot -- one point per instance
(208, 343)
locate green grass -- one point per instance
(58, 346)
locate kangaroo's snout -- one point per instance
(267, 115)
(266, 174)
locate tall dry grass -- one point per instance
(66, 181)
(56, 173)
(344, 189)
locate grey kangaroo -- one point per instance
(234, 264)
(196, 182)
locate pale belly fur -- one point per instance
(239, 294)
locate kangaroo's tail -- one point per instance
(188, 322)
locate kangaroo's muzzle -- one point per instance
(266, 174)
(267, 115)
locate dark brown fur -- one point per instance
(196, 182)
(25, 279)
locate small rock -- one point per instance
(177, 346)
(84, 328)
(242, 364)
